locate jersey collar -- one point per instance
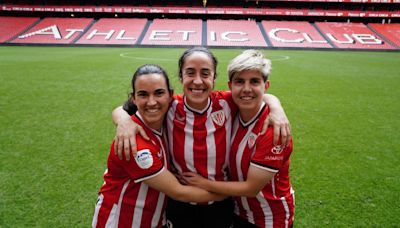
(195, 110)
(248, 123)
(159, 133)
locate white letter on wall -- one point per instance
(273, 34)
(367, 39)
(308, 38)
(71, 33)
(160, 35)
(54, 31)
(185, 35)
(121, 34)
(95, 33)
(225, 35)
(349, 40)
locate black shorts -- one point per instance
(239, 222)
(184, 215)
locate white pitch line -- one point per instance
(280, 58)
(125, 55)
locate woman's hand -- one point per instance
(125, 139)
(195, 179)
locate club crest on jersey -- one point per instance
(144, 159)
(251, 140)
(277, 149)
(218, 117)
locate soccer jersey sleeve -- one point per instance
(227, 96)
(146, 164)
(268, 156)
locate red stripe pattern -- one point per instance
(124, 200)
(274, 204)
(199, 141)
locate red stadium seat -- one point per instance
(352, 35)
(55, 31)
(114, 31)
(299, 34)
(239, 33)
(12, 26)
(390, 31)
(174, 32)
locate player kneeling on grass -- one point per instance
(133, 193)
(259, 170)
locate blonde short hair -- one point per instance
(249, 60)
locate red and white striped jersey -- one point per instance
(124, 199)
(199, 140)
(274, 204)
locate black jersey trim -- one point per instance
(159, 133)
(199, 112)
(254, 119)
(266, 167)
(149, 175)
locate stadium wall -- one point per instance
(190, 32)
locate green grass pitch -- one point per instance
(55, 130)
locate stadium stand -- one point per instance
(239, 33)
(352, 35)
(114, 31)
(390, 31)
(12, 26)
(303, 10)
(174, 32)
(54, 31)
(321, 24)
(300, 34)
